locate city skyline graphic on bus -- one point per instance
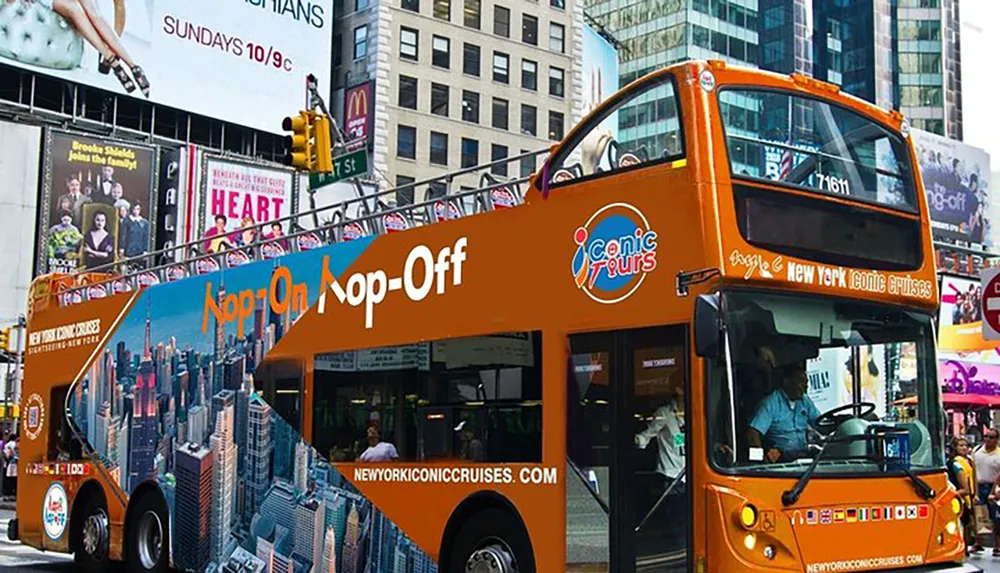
(163, 400)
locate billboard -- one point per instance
(243, 61)
(20, 148)
(960, 328)
(358, 110)
(239, 194)
(98, 202)
(600, 75)
(956, 179)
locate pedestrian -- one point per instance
(963, 476)
(10, 454)
(987, 463)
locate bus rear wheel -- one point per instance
(93, 536)
(492, 541)
(146, 536)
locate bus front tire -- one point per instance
(147, 539)
(93, 536)
(492, 540)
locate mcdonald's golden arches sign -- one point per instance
(358, 104)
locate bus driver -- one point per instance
(784, 416)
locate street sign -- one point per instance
(344, 167)
(990, 283)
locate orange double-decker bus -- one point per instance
(704, 342)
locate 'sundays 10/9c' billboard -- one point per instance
(243, 61)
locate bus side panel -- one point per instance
(61, 342)
(183, 361)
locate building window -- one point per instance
(470, 152)
(406, 142)
(498, 152)
(470, 60)
(470, 106)
(529, 30)
(529, 75)
(557, 82)
(473, 12)
(439, 99)
(556, 122)
(408, 40)
(442, 52)
(408, 92)
(439, 148)
(500, 113)
(501, 67)
(442, 9)
(404, 193)
(411, 5)
(360, 42)
(527, 164)
(360, 4)
(557, 38)
(560, 4)
(501, 21)
(529, 119)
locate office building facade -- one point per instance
(459, 83)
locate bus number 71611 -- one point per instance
(834, 184)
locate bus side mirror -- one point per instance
(707, 331)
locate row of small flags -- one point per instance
(861, 514)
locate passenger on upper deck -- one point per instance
(783, 418)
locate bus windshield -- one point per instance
(810, 143)
(797, 374)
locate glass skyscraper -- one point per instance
(898, 54)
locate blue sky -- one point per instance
(176, 308)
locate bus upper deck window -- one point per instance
(637, 129)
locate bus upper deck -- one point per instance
(763, 227)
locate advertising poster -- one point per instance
(600, 75)
(358, 106)
(238, 195)
(956, 179)
(171, 168)
(959, 377)
(831, 382)
(960, 323)
(827, 374)
(98, 202)
(186, 54)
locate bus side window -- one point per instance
(613, 141)
(475, 399)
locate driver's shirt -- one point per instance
(782, 422)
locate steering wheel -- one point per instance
(828, 421)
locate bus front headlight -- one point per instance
(956, 506)
(748, 516)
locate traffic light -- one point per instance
(300, 143)
(324, 149)
(5, 339)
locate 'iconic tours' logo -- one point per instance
(616, 248)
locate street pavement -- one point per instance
(15, 558)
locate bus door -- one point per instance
(628, 505)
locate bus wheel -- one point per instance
(146, 536)
(492, 541)
(91, 551)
